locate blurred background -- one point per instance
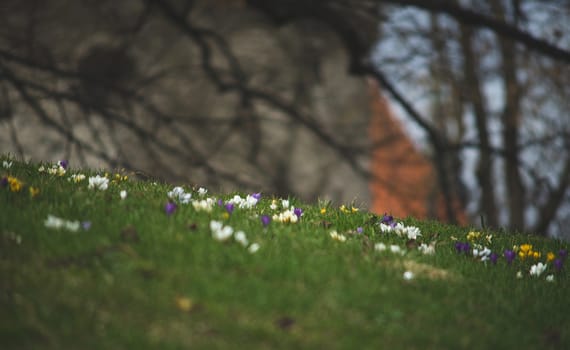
(455, 110)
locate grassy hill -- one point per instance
(90, 260)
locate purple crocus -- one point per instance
(86, 225)
(493, 258)
(298, 212)
(265, 220)
(388, 220)
(509, 256)
(359, 230)
(4, 182)
(558, 264)
(63, 163)
(256, 195)
(463, 247)
(229, 208)
(170, 208)
(220, 203)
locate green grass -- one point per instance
(139, 278)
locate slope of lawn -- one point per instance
(90, 260)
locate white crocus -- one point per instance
(220, 232)
(427, 249)
(179, 195)
(123, 194)
(241, 238)
(202, 191)
(254, 247)
(537, 269)
(6, 164)
(98, 183)
(380, 247)
(408, 275)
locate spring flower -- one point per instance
(493, 258)
(254, 247)
(6, 164)
(525, 250)
(558, 264)
(34, 191)
(482, 253)
(63, 163)
(123, 194)
(562, 253)
(537, 269)
(86, 225)
(396, 249)
(273, 205)
(550, 278)
(473, 236)
(550, 256)
(462, 247)
(241, 238)
(298, 212)
(179, 195)
(59, 223)
(76, 178)
(219, 231)
(380, 247)
(519, 274)
(286, 217)
(257, 196)
(202, 191)
(285, 203)
(323, 211)
(408, 275)
(170, 208)
(265, 220)
(4, 182)
(427, 249)
(229, 208)
(509, 256)
(388, 220)
(14, 184)
(98, 183)
(337, 237)
(203, 204)
(359, 230)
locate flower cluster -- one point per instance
(178, 194)
(245, 203)
(221, 232)
(59, 169)
(337, 237)
(388, 225)
(525, 253)
(98, 183)
(290, 214)
(59, 223)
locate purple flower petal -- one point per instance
(86, 225)
(558, 264)
(229, 208)
(359, 229)
(265, 220)
(220, 202)
(256, 195)
(509, 256)
(63, 163)
(170, 208)
(493, 258)
(298, 212)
